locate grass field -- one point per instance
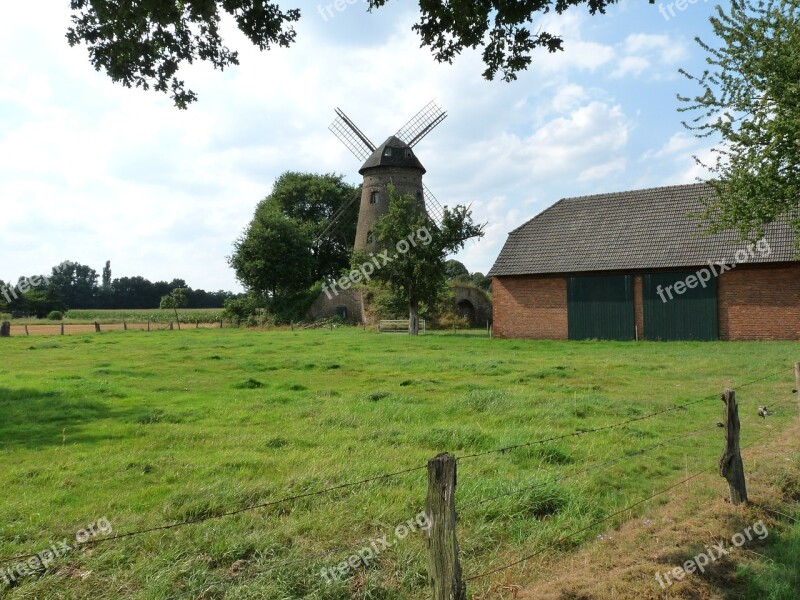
(147, 429)
(186, 315)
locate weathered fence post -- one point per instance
(124, 325)
(5, 329)
(797, 382)
(148, 324)
(220, 323)
(730, 465)
(96, 327)
(26, 330)
(444, 568)
(62, 329)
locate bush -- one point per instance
(55, 315)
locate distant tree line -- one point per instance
(71, 285)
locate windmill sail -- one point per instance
(351, 136)
(422, 124)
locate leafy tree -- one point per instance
(173, 301)
(273, 256)
(313, 200)
(750, 98)
(481, 281)
(76, 284)
(456, 271)
(107, 276)
(418, 250)
(143, 44)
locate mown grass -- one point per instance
(161, 427)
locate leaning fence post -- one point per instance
(5, 329)
(730, 465)
(26, 330)
(444, 568)
(797, 382)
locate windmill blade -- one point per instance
(432, 206)
(346, 209)
(422, 124)
(351, 136)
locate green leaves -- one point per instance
(144, 43)
(749, 100)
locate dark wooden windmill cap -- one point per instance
(394, 152)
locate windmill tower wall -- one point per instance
(394, 163)
(375, 199)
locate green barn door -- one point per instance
(601, 308)
(670, 316)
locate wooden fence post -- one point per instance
(797, 382)
(124, 325)
(5, 329)
(26, 330)
(444, 568)
(730, 465)
(96, 327)
(62, 329)
(170, 326)
(148, 324)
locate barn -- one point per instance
(638, 266)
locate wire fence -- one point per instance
(594, 467)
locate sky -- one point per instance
(91, 171)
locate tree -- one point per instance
(143, 44)
(313, 200)
(107, 276)
(76, 284)
(413, 262)
(173, 301)
(749, 97)
(456, 271)
(273, 256)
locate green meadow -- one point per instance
(147, 429)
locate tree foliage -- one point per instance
(749, 99)
(418, 249)
(273, 255)
(143, 44)
(281, 255)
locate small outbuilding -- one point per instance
(639, 266)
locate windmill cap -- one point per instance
(394, 152)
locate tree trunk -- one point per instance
(413, 318)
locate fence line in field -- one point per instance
(440, 571)
(606, 518)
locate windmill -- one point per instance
(394, 162)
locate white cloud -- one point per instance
(93, 171)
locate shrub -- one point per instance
(55, 315)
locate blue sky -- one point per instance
(92, 171)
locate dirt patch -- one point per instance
(622, 563)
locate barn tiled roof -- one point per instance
(639, 230)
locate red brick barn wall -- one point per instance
(530, 307)
(760, 303)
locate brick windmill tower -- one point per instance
(393, 162)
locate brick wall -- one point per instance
(325, 307)
(529, 307)
(760, 303)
